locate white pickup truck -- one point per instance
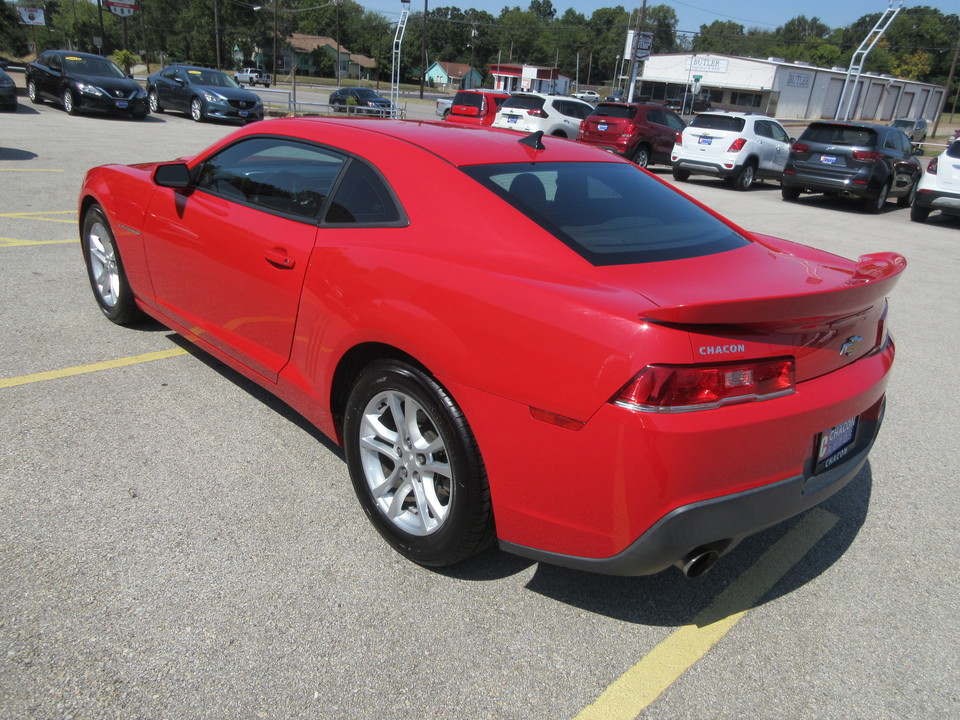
(252, 76)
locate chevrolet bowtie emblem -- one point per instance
(851, 345)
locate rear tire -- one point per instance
(681, 175)
(919, 214)
(744, 179)
(789, 193)
(907, 200)
(875, 204)
(641, 156)
(33, 94)
(105, 270)
(415, 465)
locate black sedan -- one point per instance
(8, 92)
(202, 93)
(80, 81)
(360, 100)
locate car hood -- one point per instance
(107, 83)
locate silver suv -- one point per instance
(738, 147)
(554, 114)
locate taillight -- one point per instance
(538, 112)
(737, 145)
(867, 155)
(680, 388)
(679, 139)
(932, 167)
(799, 147)
(583, 125)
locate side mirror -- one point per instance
(172, 175)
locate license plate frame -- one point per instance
(123, 104)
(835, 443)
(702, 140)
(828, 159)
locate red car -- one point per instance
(476, 107)
(641, 132)
(520, 339)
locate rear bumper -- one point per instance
(937, 200)
(720, 523)
(858, 185)
(702, 167)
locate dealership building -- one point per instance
(787, 90)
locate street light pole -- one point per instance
(276, 33)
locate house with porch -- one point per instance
(453, 76)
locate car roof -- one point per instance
(458, 144)
(737, 113)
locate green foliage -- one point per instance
(125, 59)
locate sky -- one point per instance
(767, 14)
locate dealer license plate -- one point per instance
(705, 140)
(244, 113)
(122, 104)
(834, 443)
(512, 119)
(828, 159)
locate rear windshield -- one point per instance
(609, 213)
(953, 150)
(614, 111)
(903, 124)
(718, 122)
(523, 102)
(840, 135)
(470, 99)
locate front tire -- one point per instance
(69, 104)
(415, 465)
(196, 110)
(155, 106)
(33, 94)
(105, 269)
(907, 200)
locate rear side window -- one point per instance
(609, 213)
(577, 110)
(718, 122)
(840, 135)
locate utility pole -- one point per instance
(953, 69)
(216, 30)
(423, 50)
(634, 63)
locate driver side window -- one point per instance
(276, 175)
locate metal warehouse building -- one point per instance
(786, 90)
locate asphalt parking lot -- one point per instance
(175, 543)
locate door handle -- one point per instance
(279, 259)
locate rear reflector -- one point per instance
(680, 388)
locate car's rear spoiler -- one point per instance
(872, 280)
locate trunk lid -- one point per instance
(785, 300)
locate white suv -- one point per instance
(738, 147)
(554, 114)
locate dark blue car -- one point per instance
(362, 101)
(202, 93)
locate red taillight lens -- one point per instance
(932, 167)
(538, 112)
(867, 155)
(679, 140)
(799, 147)
(583, 125)
(737, 145)
(676, 388)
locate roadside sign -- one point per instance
(644, 45)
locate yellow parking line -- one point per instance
(93, 367)
(42, 215)
(629, 695)
(13, 242)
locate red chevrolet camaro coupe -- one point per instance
(515, 339)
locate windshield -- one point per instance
(210, 78)
(613, 111)
(903, 124)
(98, 66)
(366, 94)
(609, 213)
(840, 135)
(523, 102)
